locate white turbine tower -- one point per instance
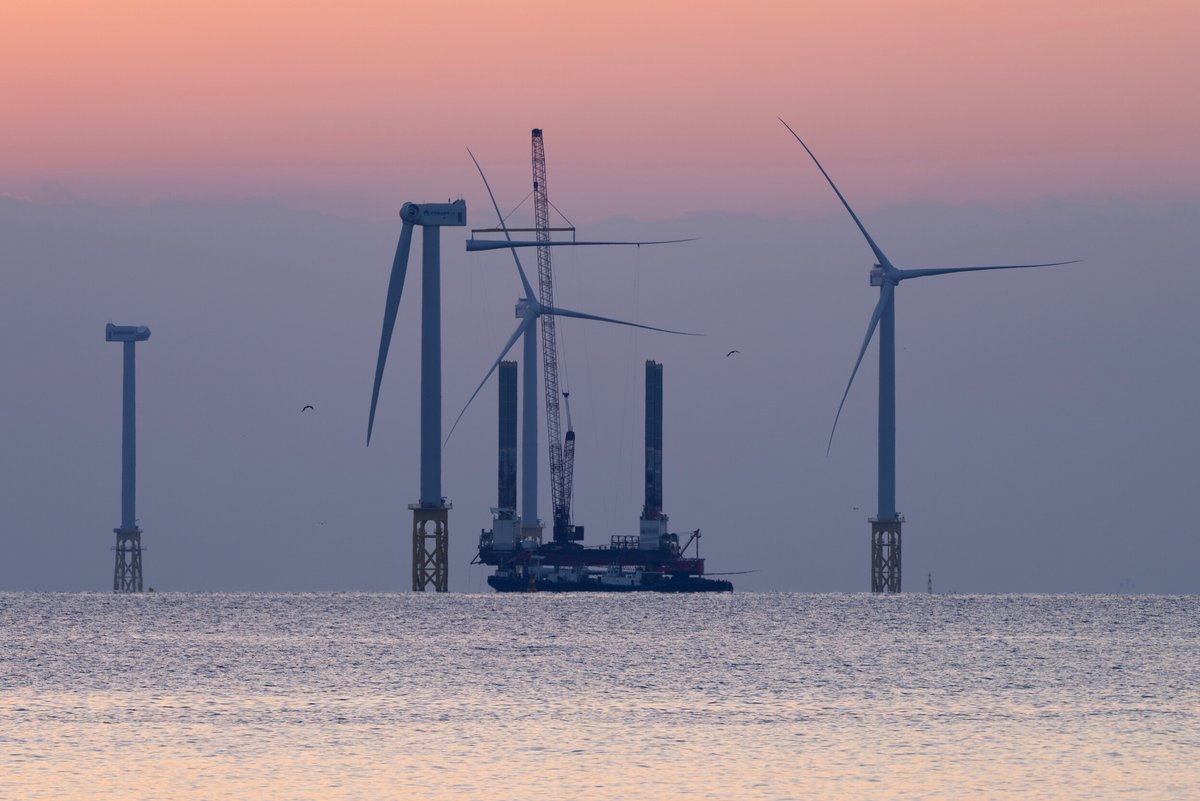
(887, 523)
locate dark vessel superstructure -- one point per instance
(651, 561)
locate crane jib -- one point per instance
(562, 455)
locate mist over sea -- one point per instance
(742, 696)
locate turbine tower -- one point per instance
(127, 570)
(431, 513)
(887, 523)
(528, 310)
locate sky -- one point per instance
(660, 108)
(229, 176)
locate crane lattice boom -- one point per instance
(561, 458)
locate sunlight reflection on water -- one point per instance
(342, 696)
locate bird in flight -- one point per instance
(727, 355)
(306, 408)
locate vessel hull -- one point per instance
(677, 584)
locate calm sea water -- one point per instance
(781, 696)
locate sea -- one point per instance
(599, 696)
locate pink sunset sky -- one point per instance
(651, 109)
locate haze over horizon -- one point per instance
(230, 178)
(1046, 432)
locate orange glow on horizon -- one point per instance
(650, 109)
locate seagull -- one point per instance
(727, 355)
(306, 408)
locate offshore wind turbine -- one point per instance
(887, 523)
(528, 310)
(127, 568)
(431, 512)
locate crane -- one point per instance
(562, 451)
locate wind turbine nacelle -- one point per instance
(435, 213)
(126, 333)
(876, 276)
(522, 308)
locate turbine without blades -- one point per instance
(530, 306)
(886, 525)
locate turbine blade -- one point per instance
(885, 297)
(584, 316)
(395, 290)
(495, 244)
(883, 260)
(520, 270)
(525, 323)
(921, 273)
